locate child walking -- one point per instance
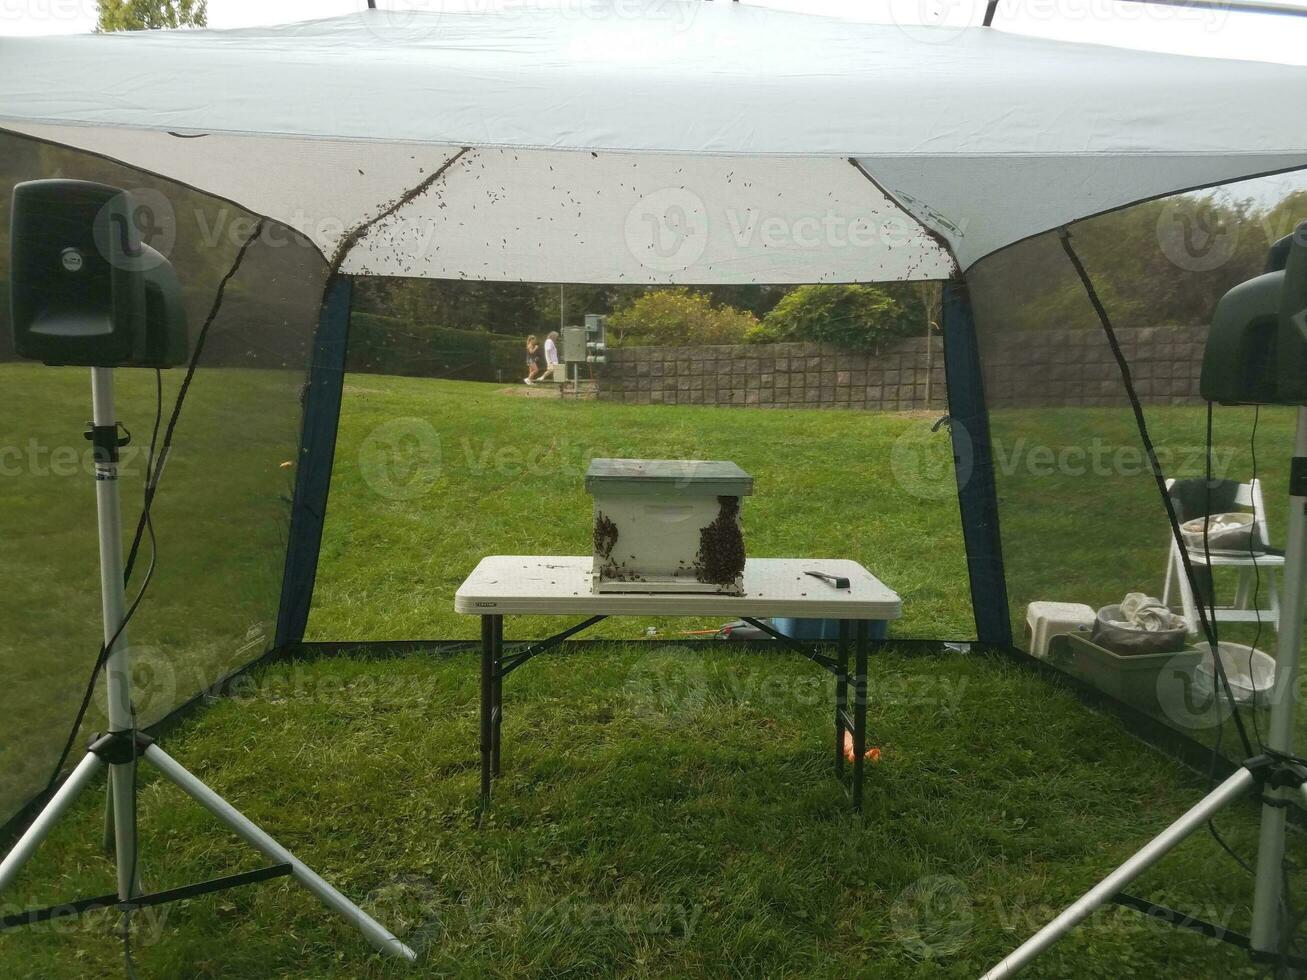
(532, 360)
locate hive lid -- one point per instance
(717, 477)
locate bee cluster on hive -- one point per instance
(668, 525)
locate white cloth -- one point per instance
(551, 352)
(1144, 612)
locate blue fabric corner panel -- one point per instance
(321, 410)
(974, 464)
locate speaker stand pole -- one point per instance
(113, 604)
(1268, 892)
(124, 747)
(1282, 782)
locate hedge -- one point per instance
(388, 345)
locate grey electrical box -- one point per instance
(574, 345)
(596, 338)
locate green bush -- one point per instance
(678, 318)
(853, 317)
(389, 345)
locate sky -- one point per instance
(1181, 30)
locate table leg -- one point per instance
(497, 693)
(859, 711)
(841, 695)
(487, 702)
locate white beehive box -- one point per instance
(668, 525)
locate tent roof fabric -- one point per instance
(667, 76)
(981, 136)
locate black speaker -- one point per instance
(84, 289)
(1257, 344)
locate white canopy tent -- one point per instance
(657, 140)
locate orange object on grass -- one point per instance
(871, 755)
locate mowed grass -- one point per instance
(1080, 514)
(221, 516)
(431, 476)
(664, 811)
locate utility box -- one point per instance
(668, 525)
(587, 344)
(596, 338)
(573, 345)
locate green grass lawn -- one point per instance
(221, 516)
(666, 809)
(432, 476)
(1083, 522)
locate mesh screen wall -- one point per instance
(224, 499)
(445, 455)
(1080, 513)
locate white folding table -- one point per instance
(504, 585)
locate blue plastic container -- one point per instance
(824, 629)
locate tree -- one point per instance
(678, 318)
(853, 317)
(1159, 262)
(148, 15)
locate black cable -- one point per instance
(128, 963)
(153, 486)
(1156, 467)
(1216, 634)
(145, 522)
(1253, 541)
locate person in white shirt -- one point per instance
(551, 356)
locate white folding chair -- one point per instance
(1250, 565)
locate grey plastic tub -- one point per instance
(1129, 642)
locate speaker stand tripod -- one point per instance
(124, 746)
(1281, 780)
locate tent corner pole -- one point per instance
(974, 467)
(313, 465)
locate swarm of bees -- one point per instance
(721, 546)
